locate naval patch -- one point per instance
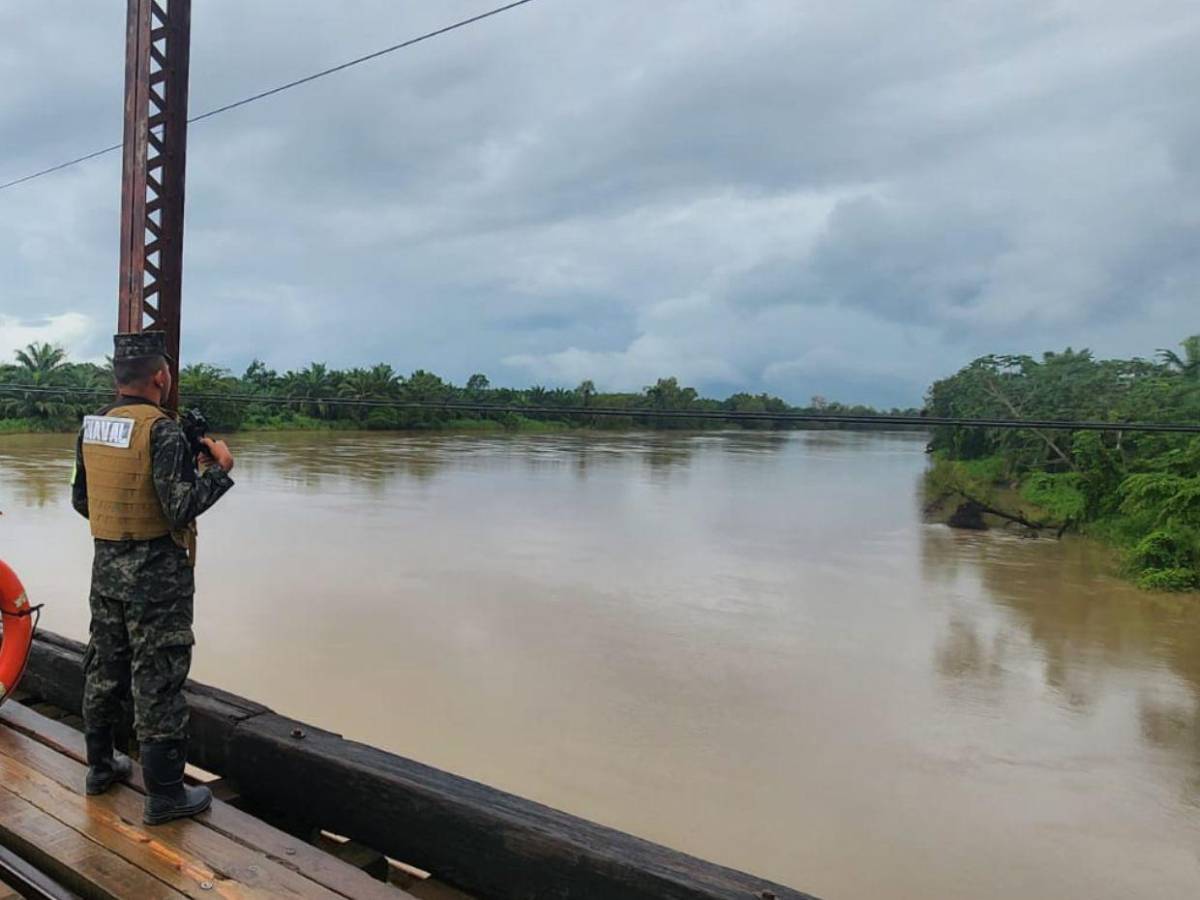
(110, 431)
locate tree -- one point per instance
(209, 381)
(586, 391)
(311, 385)
(1189, 364)
(41, 364)
(380, 382)
(258, 378)
(667, 394)
(478, 383)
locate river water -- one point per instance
(746, 646)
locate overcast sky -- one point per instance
(785, 195)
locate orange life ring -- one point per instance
(15, 612)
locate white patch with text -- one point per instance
(111, 431)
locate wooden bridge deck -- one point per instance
(98, 847)
(310, 782)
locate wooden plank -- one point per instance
(69, 857)
(285, 850)
(185, 854)
(187, 865)
(106, 829)
(473, 837)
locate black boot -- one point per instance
(105, 766)
(167, 797)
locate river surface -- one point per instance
(746, 646)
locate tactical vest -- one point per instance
(123, 504)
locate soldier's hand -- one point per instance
(219, 453)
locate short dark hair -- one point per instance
(134, 372)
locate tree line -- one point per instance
(319, 396)
(1139, 491)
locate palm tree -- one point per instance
(41, 364)
(1189, 364)
(380, 382)
(35, 406)
(313, 384)
(384, 380)
(426, 386)
(258, 377)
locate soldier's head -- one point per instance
(141, 365)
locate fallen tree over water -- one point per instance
(969, 499)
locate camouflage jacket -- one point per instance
(183, 491)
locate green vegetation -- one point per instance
(314, 393)
(1138, 491)
(41, 366)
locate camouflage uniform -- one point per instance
(141, 598)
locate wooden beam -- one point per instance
(471, 836)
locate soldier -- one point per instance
(137, 483)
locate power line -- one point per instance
(362, 59)
(63, 165)
(284, 87)
(875, 420)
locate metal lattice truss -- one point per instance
(152, 176)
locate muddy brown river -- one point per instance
(746, 646)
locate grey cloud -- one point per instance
(795, 197)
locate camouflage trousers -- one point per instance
(141, 638)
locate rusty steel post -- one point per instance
(157, 37)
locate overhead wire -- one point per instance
(270, 92)
(799, 418)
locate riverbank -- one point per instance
(1137, 491)
(1138, 517)
(34, 426)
